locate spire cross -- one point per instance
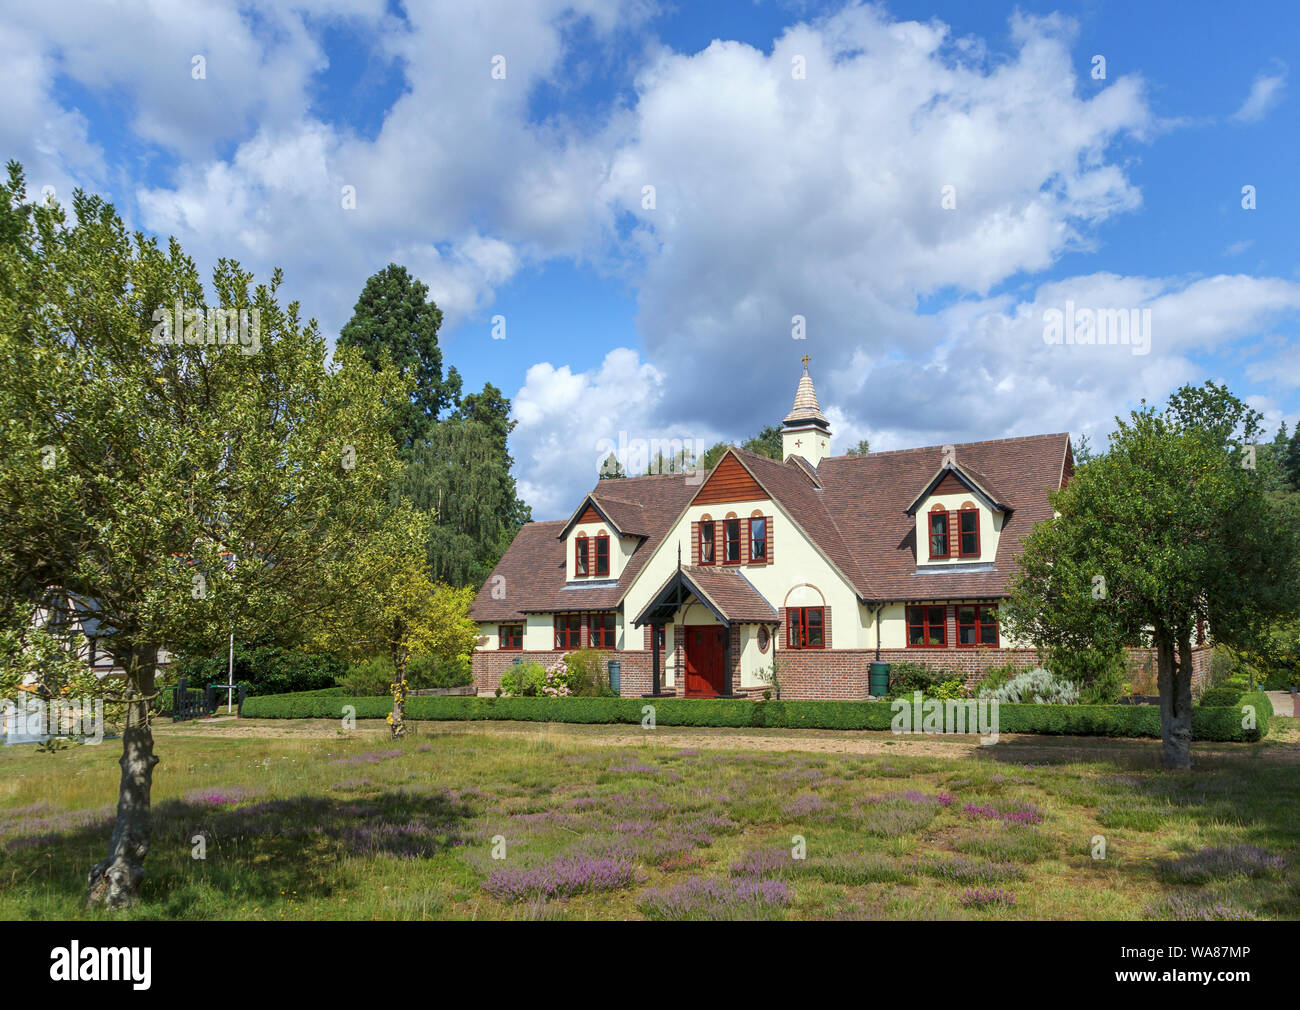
(805, 359)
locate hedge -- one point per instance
(1077, 720)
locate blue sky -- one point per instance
(776, 195)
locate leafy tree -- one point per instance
(393, 608)
(863, 448)
(492, 410)
(766, 443)
(711, 456)
(611, 468)
(394, 321)
(462, 479)
(1166, 528)
(1291, 460)
(187, 488)
(1083, 451)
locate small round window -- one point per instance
(764, 637)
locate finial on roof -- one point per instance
(806, 407)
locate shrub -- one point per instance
(370, 679)
(1078, 720)
(1038, 686)
(999, 675)
(263, 669)
(429, 671)
(586, 674)
(907, 678)
(1098, 674)
(524, 680)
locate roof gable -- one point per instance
(954, 478)
(730, 481)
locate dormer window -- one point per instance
(968, 528)
(580, 555)
(938, 526)
(602, 553)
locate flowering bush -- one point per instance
(1040, 686)
(556, 681)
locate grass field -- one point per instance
(304, 822)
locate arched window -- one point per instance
(938, 530)
(580, 554)
(968, 531)
(602, 553)
(706, 539)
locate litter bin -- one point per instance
(878, 680)
(615, 673)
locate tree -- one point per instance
(461, 477)
(188, 476)
(711, 456)
(766, 443)
(611, 468)
(1165, 529)
(1291, 460)
(1083, 452)
(863, 448)
(394, 321)
(393, 608)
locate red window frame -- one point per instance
(962, 534)
(758, 545)
(707, 542)
(602, 553)
(922, 618)
(581, 560)
(984, 617)
(510, 637)
(931, 535)
(728, 542)
(568, 631)
(605, 634)
(801, 627)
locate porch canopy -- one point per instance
(727, 594)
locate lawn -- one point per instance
(505, 821)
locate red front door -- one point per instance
(704, 660)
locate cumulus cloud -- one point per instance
(824, 196)
(1265, 93)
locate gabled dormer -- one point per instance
(596, 545)
(959, 517)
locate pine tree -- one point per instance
(394, 318)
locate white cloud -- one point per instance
(1265, 93)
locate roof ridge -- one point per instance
(924, 448)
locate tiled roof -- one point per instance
(867, 496)
(533, 568)
(853, 508)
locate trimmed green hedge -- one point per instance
(1076, 720)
